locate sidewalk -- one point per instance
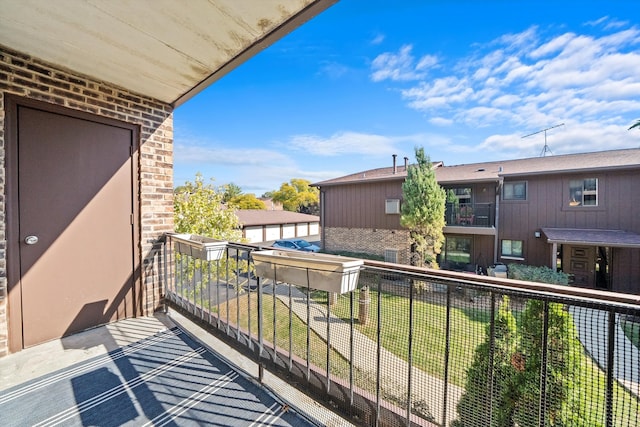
(427, 390)
(592, 331)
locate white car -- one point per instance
(296, 244)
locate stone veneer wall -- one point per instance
(366, 240)
(29, 78)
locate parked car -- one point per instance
(296, 244)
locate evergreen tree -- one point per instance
(422, 210)
(517, 364)
(475, 409)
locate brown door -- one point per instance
(72, 228)
(579, 262)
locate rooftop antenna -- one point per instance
(546, 148)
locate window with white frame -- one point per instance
(392, 206)
(583, 192)
(512, 248)
(514, 190)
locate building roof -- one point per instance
(493, 171)
(254, 217)
(166, 50)
(372, 175)
(591, 237)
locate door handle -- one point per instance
(31, 240)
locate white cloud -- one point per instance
(401, 66)
(348, 142)
(334, 70)
(216, 155)
(377, 39)
(531, 79)
(441, 121)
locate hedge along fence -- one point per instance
(537, 274)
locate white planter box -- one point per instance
(325, 272)
(199, 247)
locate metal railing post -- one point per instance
(290, 329)
(543, 364)
(378, 350)
(410, 353)
(260, 331)
(351, 348)
(328, 384)
(447, 350)
(492, 347)
(611, 335)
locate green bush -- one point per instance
(474, 408)
(537, 274)
(517, 364)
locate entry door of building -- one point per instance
(73, 224)
(579, 261)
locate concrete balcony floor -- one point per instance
(34, 362)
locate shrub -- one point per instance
(517, 365)
(537, 274)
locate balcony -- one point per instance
(470, 218)
(421, 347)
(409, 346)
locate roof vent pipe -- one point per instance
(395, 169)
(406, 163)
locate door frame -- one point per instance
(12, 221)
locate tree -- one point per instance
(517, 363)
(297, 196)
(231, 191)
(198, 209)
(473, 408)
(247, 201)
(422, 210)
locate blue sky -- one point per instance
(466, 80)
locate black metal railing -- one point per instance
(423, 347)
(470, 214)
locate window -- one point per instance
(457, 252)
(392, 206)
(514, 191)
(512, 248)
(583, 192)
(391, 255)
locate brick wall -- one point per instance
(366, 240)
(30, 78)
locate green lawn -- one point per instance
(429, 331)
(467, 325)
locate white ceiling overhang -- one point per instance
(166, 49)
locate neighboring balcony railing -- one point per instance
(470, 214)
(424, 347)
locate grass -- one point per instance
(467, 331)
(248, 303)
(429, 332)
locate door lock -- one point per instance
(31, 240)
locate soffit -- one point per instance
(166, 49)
